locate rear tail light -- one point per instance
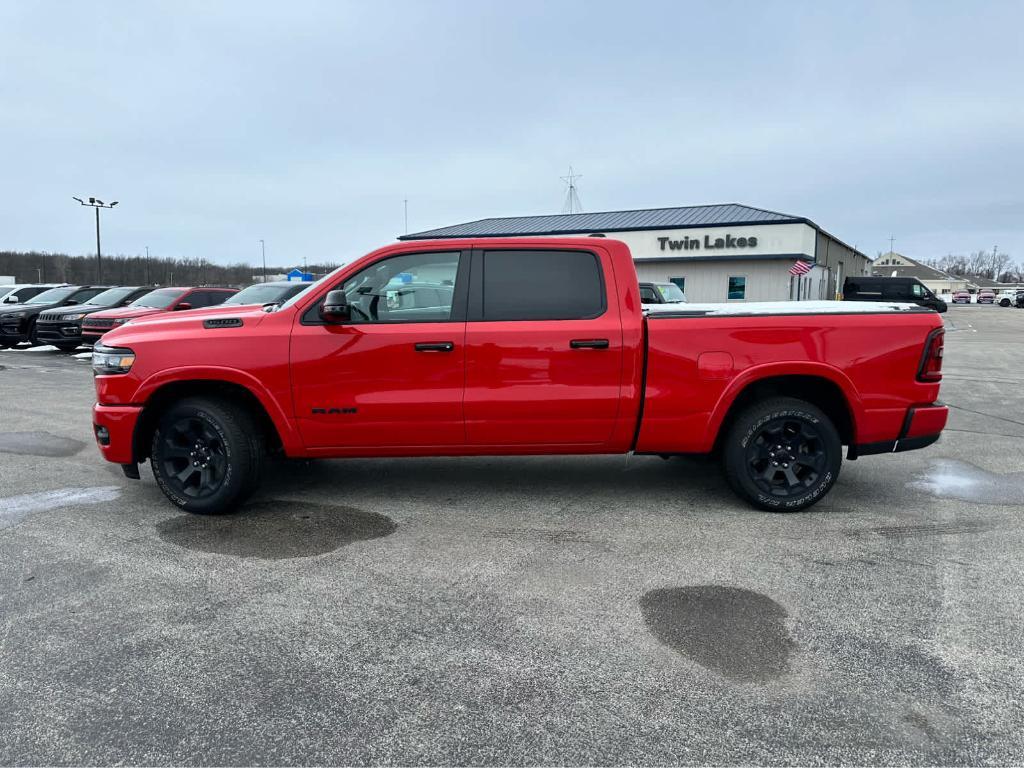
(931, 362)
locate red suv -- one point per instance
(154, 302)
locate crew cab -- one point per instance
(152, 303)
(540, 346)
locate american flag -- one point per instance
(800, 268)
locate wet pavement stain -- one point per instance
(276, 530)
(958, 479)
(39, 444)
(735, 632)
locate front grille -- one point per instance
(99, 322)
(48, 317)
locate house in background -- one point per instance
(893, 264)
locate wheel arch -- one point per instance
(159, 396)
(823, 387)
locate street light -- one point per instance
(96, 203)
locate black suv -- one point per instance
(19, 324)
(63, 327)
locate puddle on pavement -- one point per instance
(735, 632)
(14, 509)
(947, 478)
(276, 530)
(39, 444)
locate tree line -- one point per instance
(42, 267)
(990, 264)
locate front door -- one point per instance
(392, 377)
(543, 349)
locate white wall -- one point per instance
(709, 280)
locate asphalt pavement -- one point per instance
(574, 610)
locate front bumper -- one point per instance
(922, 426)
(13, 331)
(59, 332)
(114, 428)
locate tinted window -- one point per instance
(647, 295)
(111, 297)
(217, 297)
(415, 288)
(158, 299)
(737, 287)
(53, 295)
(261, 293)
(83, 296)
(541, 285)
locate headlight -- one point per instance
(121, 320)
(79, 316)
(107, 361)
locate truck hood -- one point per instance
(186, 323)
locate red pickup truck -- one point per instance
(514, 346)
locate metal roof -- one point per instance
(728, 214)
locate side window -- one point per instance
(737, 287)
(83, 296)
(216, 297)
(918, 290)
(414, 288)
(196, 299)
(647, 295)
(542, 285)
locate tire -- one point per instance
(220, 443)
(782, 455)
(31, 335)
(1004, 303)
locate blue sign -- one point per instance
(298, 274)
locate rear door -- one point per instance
(544, 349)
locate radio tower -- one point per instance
(572, 199)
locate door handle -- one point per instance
(589, 343)
(434, 346)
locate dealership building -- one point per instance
(713, 252)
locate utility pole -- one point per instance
(891, 241)
(96, 204)
(263, 250)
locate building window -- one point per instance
(737, 288)
(680, 281)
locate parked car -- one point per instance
(276, 292)
(19, 294)
(1018, 300)
(542, 348)
(18, 323)
(986, 297)
(962, 297)
(904, 289)
(1006, 298)
(62, 327)
(661, 293)
(152, 303)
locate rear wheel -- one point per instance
(782, 455)
(207, 454)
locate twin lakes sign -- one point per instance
(688, 243)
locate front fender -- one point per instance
(290, 438)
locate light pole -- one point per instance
(263, 250)
(96, 204)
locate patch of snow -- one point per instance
(47, 348)
(83, 355)
(14, 509)
(782, 308)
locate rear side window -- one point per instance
(542, 285)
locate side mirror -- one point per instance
(182, 305)
(69, 302)
(335, 308)
(11, 300)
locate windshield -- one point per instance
(160, 299)
(670, 292)
(267, 294)
(110, 297)
(53, 295)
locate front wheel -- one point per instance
(207, 454)
(782, 455)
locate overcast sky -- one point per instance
(216, 124)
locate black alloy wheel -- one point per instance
(786, 457)
(782, 454)
(207, 454)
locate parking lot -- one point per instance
(568, 610)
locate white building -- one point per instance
(713, 252)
